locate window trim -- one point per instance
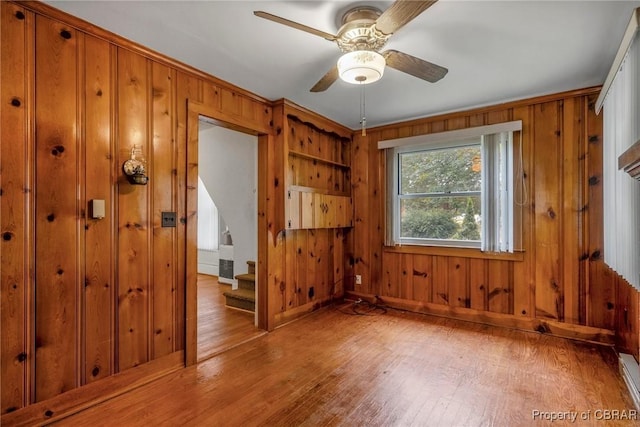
(445, 140)
(397, 197)
(459, 135)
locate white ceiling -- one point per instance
(495, 51)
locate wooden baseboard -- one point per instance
(76, 400)
(630, 371)
(551, 327)
(288, 316)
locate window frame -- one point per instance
(398, 197)
(451, 139)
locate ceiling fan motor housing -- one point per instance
(358, 30)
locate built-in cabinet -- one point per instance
(318, 174)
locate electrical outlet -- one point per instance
(358, 279)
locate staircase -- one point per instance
(244, 298)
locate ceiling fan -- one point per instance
(364, 32)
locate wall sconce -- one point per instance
(135, 168)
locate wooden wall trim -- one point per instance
(491, 108)
(306, 115)
(629, 161)
(455, 252)
(551, 327)
(76, 400)
(87, 27)
(229, 121)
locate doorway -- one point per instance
(260, 139)
(227, 237)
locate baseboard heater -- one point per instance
(630, 371)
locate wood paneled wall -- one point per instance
(84, 299)
(557, 283)
(307, 267)
(627, 314)
(87, 302)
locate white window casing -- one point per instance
(497, 195)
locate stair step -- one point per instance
(243, 299)
(251, 266)
(247, 281)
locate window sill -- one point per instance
(454, 252)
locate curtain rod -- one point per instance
(627, 39)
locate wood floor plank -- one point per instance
(389, 368)
(220, 327)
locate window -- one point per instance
(207, 220)
(453, 189)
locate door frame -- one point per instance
(194, 111)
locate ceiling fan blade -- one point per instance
(294, 24)
(400, 13)
(326, 80)
(415, 66)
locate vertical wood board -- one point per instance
(57, 213)
(133, 213)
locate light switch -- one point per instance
(97, 209)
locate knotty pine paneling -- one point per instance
(627, 321)
(600, 294)
(406, 276)
(440, 280)
(57, 209)
(421, 277)
(359, 193)
(187, 88)
(523, 273)
(99, 234)
(337, 259)
(134, 222)
(478, 285)
(146, 96)
(162, 179)
(500, 286)
(547, 195)
(391, 276)
(558, 277)
(310, 268)
(458, 281)
(16, 34)
(82, 298)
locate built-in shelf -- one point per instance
(317, 175)
(629, 161)
(303, 189)
(317, 159)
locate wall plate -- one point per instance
(168, 219)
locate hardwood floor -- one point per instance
(220, 327)
(381, 369)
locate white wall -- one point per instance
(208, 262)
(228, 166)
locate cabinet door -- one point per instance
(321, 217)
(343, 212)
(309, 210)
(307, 203)
(294, 220)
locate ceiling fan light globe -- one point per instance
(361, 67)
